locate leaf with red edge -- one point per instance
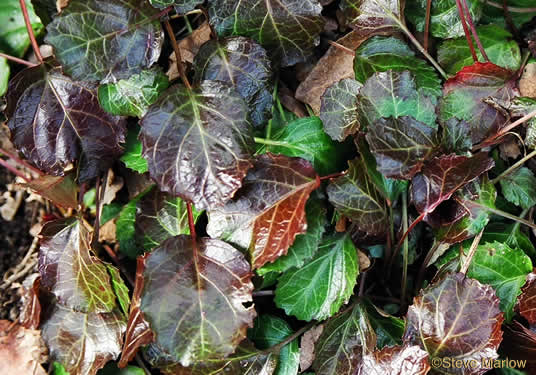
(55, 121)
(269, 211)
(79, 280)
(396, 360)
(464, 94)
(443, 176)
(61, 190)
(401, 145)
(198, 143)
(194, 298)
(456, 317)
(526, 304)
(83, 342)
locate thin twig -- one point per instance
(29, 28)
(333, 175)
(489, 141)
(342, 48)
(405, 250)
(424, 265)
(466, 30)
(472, 252)
(140, 363)
(511, 8)
(17, 60)
(276, 348)
(427, 23)
(473, 30)
(13, 170)
(513, 167)
(177, 51)
(96, 225)
(362, 282)
(21, 162)
(263, 293)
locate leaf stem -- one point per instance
(263, 293)
(424, 265)
(191, 223)
(473, 30)
(504, 214)
(342, 48)
(21, 162)
(96, 227)
(29, 28)
(276, 348)
(269, 142)
(427, 23)
(17, 60)
(472, 252)
(489, 141)
(405, 250)
(177, 51)
(513, 167)
(333, 175)
(510, 8)
(13, 170)
(466, 30)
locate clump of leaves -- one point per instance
(385, 233)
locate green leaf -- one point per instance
(502, 50)
(269, 331)
(160, 216)
(520, 107)
(371, 16)
(389, 329)
(338, 109)
(401, 145)
(305, 138)
(14, 39)
(132, 97)
(444, 18)
(355, 196)
(125, 227)
(245, 65)
(4, 75)
(511, 235)
(519, 187)
(379, 54)
(112, 369)
(504, 268)
(289, 30)
(108, 40)
(132, 157)
(59, 369)
(181, 6)
(110, 212)
(395, 94)
(318, 289)
(344, 341)
(456, 137)
(119, 288)
(305, 245)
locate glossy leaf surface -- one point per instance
(181, 6)
(198, 142)
(132, 157)
(527, 300)
(371, 16)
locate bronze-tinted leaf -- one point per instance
(106, 39)
(55, 120)
(355, 196)
(527, 301)
(520, 344)
(456, 317)
(371, 16)
(194, 298)
(30, 312)
(79, 280)
(442, 176)
(395, 360)
(83, 342)
(464, 94)
(61, 190)
(197, 143)
(401, 145)
(269, 211)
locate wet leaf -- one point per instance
(444, 18)
(305, 138)
(527, 300)
(319, 288)
(243, 64)
(338, 109)
(132, 157)
(354, 196)
(79, 280)
(269, 331)
(269, 211)
(181, 6)
(125, 228)
(505, 269)
(160, 216)
(197, 143)
(54, 121)
(108, 40)
(344, 341)
(456, 137)
(305, 245)
(21, 350)
(443, 176)
(119, 288)
(371, 16)
(132, 97)
(289, 30)
(61, 190)
(83, 342)
(14, 39)
(204, 291)
(380, 53)
(456, 317)
(396, 360)
(519, 187)
(395, 94)
(464, 94)
(401, 145)
(502, 50)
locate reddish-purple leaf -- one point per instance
(79, 280)
(82, 342)
(30, 314)
(194, 298)
(520, 344)
(401, 145)
(269, 211)
(456, 317)
(464, 97)
(54, 121)
(395, 360)
(197, 143)
(61, 190)
(527, 301)
(442, 176)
